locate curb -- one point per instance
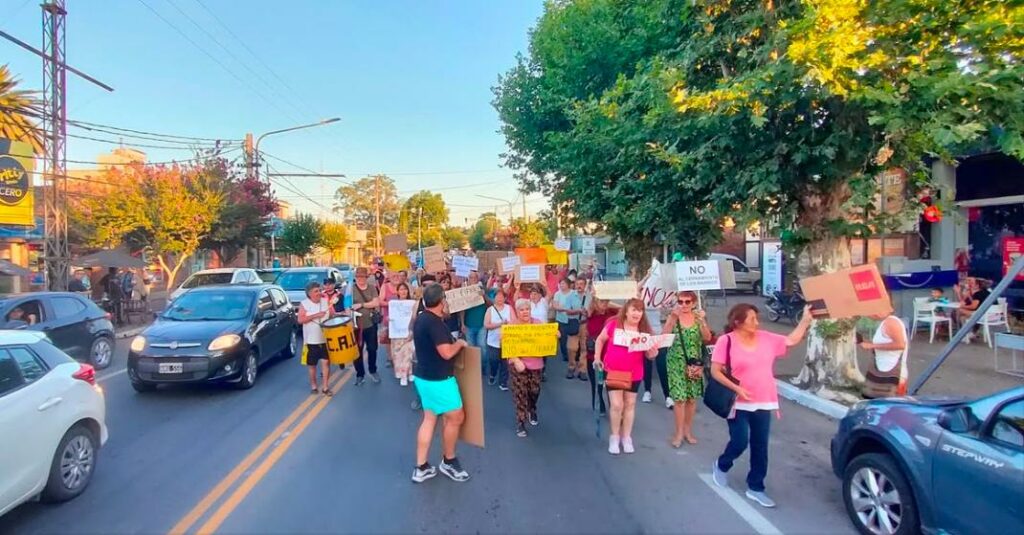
(811, 401)
(128, 333)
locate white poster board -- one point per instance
(563, 244)
(771, 274)
(509, 264)
(698, 275)
(399, 317)
(531, 273)
(460, 299)
(641, 341)
(464, 264)
(615, 290)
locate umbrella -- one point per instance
(9, 268)
(115, 258)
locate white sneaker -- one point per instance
(404, 381)
(669, 403)
(646, 398)
(627, 445)
(613, 445)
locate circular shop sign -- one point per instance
(14, 181)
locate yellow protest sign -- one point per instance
(529, 340)
(556, 257)
(396, 262)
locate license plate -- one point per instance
(171, 367)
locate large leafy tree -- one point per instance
(357, 204)
(333, 238)
(483, 235)
(300, 235)
(20, 111)
(453, 238)
(243, 218)
(434, 213)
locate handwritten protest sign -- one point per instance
(396, 243)
(615, 290)
(433, 259)
(460, 299)
(399, 317)
(532, 255)
(396, 262)
(508, 264)
(641, 341)
(464, 264)
(529, 340)
(563, 244)
(531, 273)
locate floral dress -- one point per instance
(687, 346)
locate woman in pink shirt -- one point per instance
(613, 357)
(525, 376)
(750, 355)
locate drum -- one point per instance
(341, 340)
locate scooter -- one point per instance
(781, 306)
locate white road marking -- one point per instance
(742, 507)
(112, 374)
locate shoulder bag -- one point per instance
(718, 397)
(375, 315)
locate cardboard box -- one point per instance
(396, 243)
(490, 260)
(433, 259)
(847, 293)
(469, 376)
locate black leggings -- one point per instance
(368, 340)
(662, 362)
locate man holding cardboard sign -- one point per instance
(439, 392)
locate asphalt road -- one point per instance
(275, 459)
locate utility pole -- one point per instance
(56, 251)
(377, 224)
(249, 156)
(419, 239)
(524, 209)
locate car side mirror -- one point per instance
(267, 315)
(958, 420)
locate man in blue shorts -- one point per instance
(435, 382)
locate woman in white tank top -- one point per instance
(891, 347)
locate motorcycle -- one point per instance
(781, 306)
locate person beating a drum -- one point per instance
(313, 311)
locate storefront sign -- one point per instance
(893, 185)
(588, 245)
(771, 274)
(16, 199)
(1013, 248)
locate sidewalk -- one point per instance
(157, 301)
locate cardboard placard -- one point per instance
(698, 275)
(400, 317)
(531, 273)
(488, 260)
(397, 262)
(463, 265)
(397, 243)
(469, 376)
(509, 264)
(636, 341)
(532, 255)
(660, 289)
(554, 256)
(460, 299)
(847, 293)
(433, 259)
(615, 290)
(563, 244)
(529, 340)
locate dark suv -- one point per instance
(933, 465)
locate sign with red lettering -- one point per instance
(847, 293)
(1012, 249)
(864, 286)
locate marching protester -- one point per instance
(453, 321)
(655, 301)
(435, 382)
(313, 311)
(525, 377)
(685, 363)
(366, 301)
(387, 293)
(625, 372)
(402, 349)
(498, 314)
(749, 353)
(538, 310)
(583, 339)
(568, 307)
(601, 311)
(473, 318)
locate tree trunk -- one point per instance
(831, 364)
(172, 274)
(638, 254)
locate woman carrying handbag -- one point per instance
(743, 362)
(685, 364)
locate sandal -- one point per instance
(328, 392)
(691, 440)
(676, 444)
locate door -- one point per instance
(742, 274)
(978, 481)
(268, 335)
(67, 326)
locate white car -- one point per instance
(52, 421)
(209, 277)
(746, 278)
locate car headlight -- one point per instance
(224, 342)
(138, 344)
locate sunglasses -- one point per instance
(686, 301)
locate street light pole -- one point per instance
(256, 155)
(509, 203)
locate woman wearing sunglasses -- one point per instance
(685, 363)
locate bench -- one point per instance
(1015, 343)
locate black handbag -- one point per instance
(718, 397)
(571, 327)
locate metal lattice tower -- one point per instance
(56, 252)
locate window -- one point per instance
(30, 312)
(66, 307)
(738, 267)
(1008, 425)
(280, 299)
(10, 377)
(31, 367)
(265, 302)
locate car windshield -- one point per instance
(297, 280)
(207, 279)
(269, 276)
(210, 306)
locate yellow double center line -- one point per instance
(222, 512)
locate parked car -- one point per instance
(933, 465)
(294, 280)
(72, 322)
(347, 271)
(210, 277)
(746, 278)
(269, 275)
(53, 421)
(215, 334)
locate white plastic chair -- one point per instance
(995, 316)
(924, 312)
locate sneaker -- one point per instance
(669, 403)
(503, 388)
(627, 445)
(375, 378)
(360, 381)
(491, 381)
(534, 421)
(721, 478)
(646, 398)
(613, 445)
(570, 375)
(421, 474)
(521, 431)
(761, 498)
(454, 470)
(582, 376)
(404, 381)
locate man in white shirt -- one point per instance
(313, 311)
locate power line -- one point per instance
(132, 145)
(168, 162)
(149, 136)
(329, 176)
(292, 188)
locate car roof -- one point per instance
(10, 337)
(219, 270)
(232, 287)
(38, 294)
(310, 269)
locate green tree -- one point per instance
(334, 238)
(453, 238)
(434, 214)
(300, 235)
(483, 236)
(20, 112)
(243, 218)
(357, 205)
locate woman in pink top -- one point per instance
(525, 376)
(750, 355)
(613, 357)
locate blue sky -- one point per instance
(411, 80)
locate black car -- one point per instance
(73, 323)
(215, 334)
